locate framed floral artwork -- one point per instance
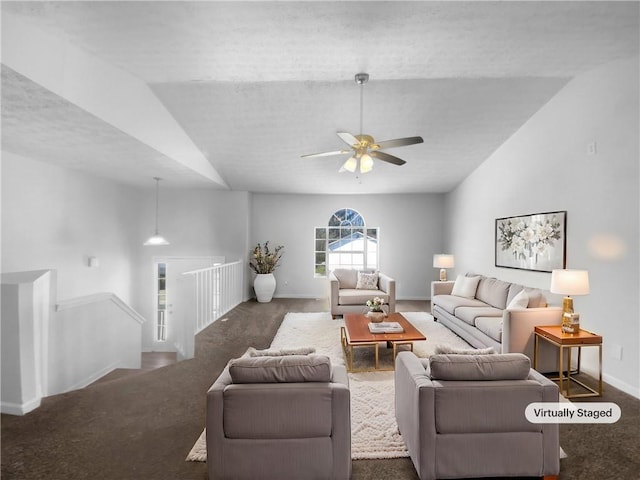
(532, 242)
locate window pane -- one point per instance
(161, 302)
(348, 244)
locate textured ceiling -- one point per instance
(257, 84)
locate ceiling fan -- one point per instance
(363, 147)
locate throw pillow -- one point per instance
(519, 302)
(367, 281)
(280, 352)
(465, 286)
(287, 369)
(505, 366)
(446, 349)
(536, 298)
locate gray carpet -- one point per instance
(142, 427)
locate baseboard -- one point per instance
(614, 382)
(93, 377)
(20, 408)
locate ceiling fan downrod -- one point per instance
(361, 79)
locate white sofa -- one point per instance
(483, 320)
(346, 297)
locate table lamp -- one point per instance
(569, 282)
(443, 261)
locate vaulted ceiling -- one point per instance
(229, 95)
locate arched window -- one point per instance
(346, 242)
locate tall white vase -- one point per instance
(264, 285)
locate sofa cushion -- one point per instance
(504, 366)
(490, 326)
(353, 296)
(347, 277)
(469, 314)
(465, 286)
(450, 303)
(367, 281)
(286, 369)
(493, 291)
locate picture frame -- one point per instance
(534, 242)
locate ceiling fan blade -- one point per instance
(399, 142)
(348, 138)
(326, 154)
(385, 157)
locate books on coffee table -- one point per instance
(386, 327)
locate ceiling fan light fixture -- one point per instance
(365, 148)
(366, 163)
(350, 165)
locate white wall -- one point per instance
(410, 230)
(197, 223)
(545, 167)
(55, 218)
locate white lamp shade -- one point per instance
(443, 260)
(156, 239)
(350, 165)
(570, 282)
(366, 163)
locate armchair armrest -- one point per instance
(415, 405)
(214, 419)
(334, 285)
(339, 375)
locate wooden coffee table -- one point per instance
(355, 333)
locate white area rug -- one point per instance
(374, 433)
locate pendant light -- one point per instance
(156, 238)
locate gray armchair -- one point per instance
(279, 417)
(345, 297)
(463, 416)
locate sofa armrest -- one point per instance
(517, 327)
(441, 288)
(388, 286)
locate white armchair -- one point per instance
(346, 297)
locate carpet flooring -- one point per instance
(141, 427)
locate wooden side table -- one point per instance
(567, 341)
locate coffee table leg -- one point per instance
(376, 362)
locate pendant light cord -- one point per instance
(157, 200)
